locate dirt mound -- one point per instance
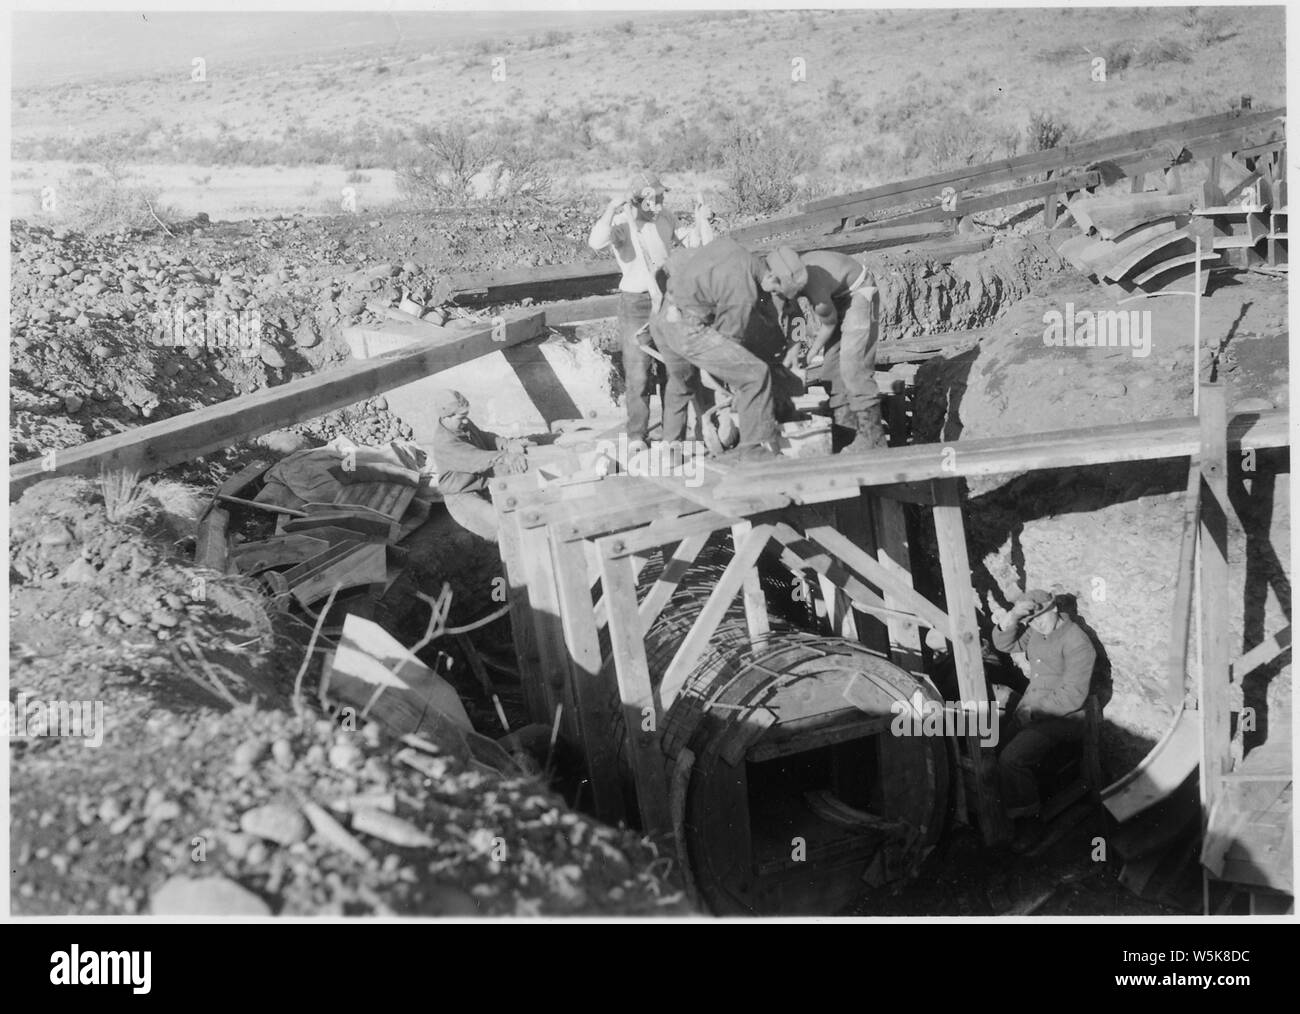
(96, 347)
(920, 296)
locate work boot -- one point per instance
(870, 432)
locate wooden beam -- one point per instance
(954, 560)
(751, 588)
(595, 704)
(706, 624)
(905, 598)
(672, 530)
(893, 551)
(965, 206)
(809, 480)
(1181, 618)
(1119, 148)
(185, 437)
(674, 570)
(1080, 153)
(1215, 608)
(642, 716)
(1262, 654)
(799, 553)
(600, 611)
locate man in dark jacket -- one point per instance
(716, 315)
(1052, 711)
(466, 458)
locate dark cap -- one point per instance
(1040, 600)
(790, 272)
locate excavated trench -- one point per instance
(1103, 539)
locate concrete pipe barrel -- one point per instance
(796, 796)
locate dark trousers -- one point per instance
(688, 348)
(639, 369)
(1024, 753)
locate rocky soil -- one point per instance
(211, 793)
(88, 358)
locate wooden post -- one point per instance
(1050, 207)
(1181, 618)
(642, 719)
(954, 559)
(894, 553)
(552, 655)
(1216, 657)
(506, 497)
(751, 589)
(593, 698)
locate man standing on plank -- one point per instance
(715, 314)
(846, 304)
(641, 253)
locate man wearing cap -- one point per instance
(641, 255)
(717, 317)
(466, 458)
(845, 303)
(1060, 658)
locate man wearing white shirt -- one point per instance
(641, 256)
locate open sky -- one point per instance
(51, 48)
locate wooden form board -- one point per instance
(185, 437)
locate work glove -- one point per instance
(514, 462)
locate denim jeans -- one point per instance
(689, 347)
(639, 369)
(849, 367)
